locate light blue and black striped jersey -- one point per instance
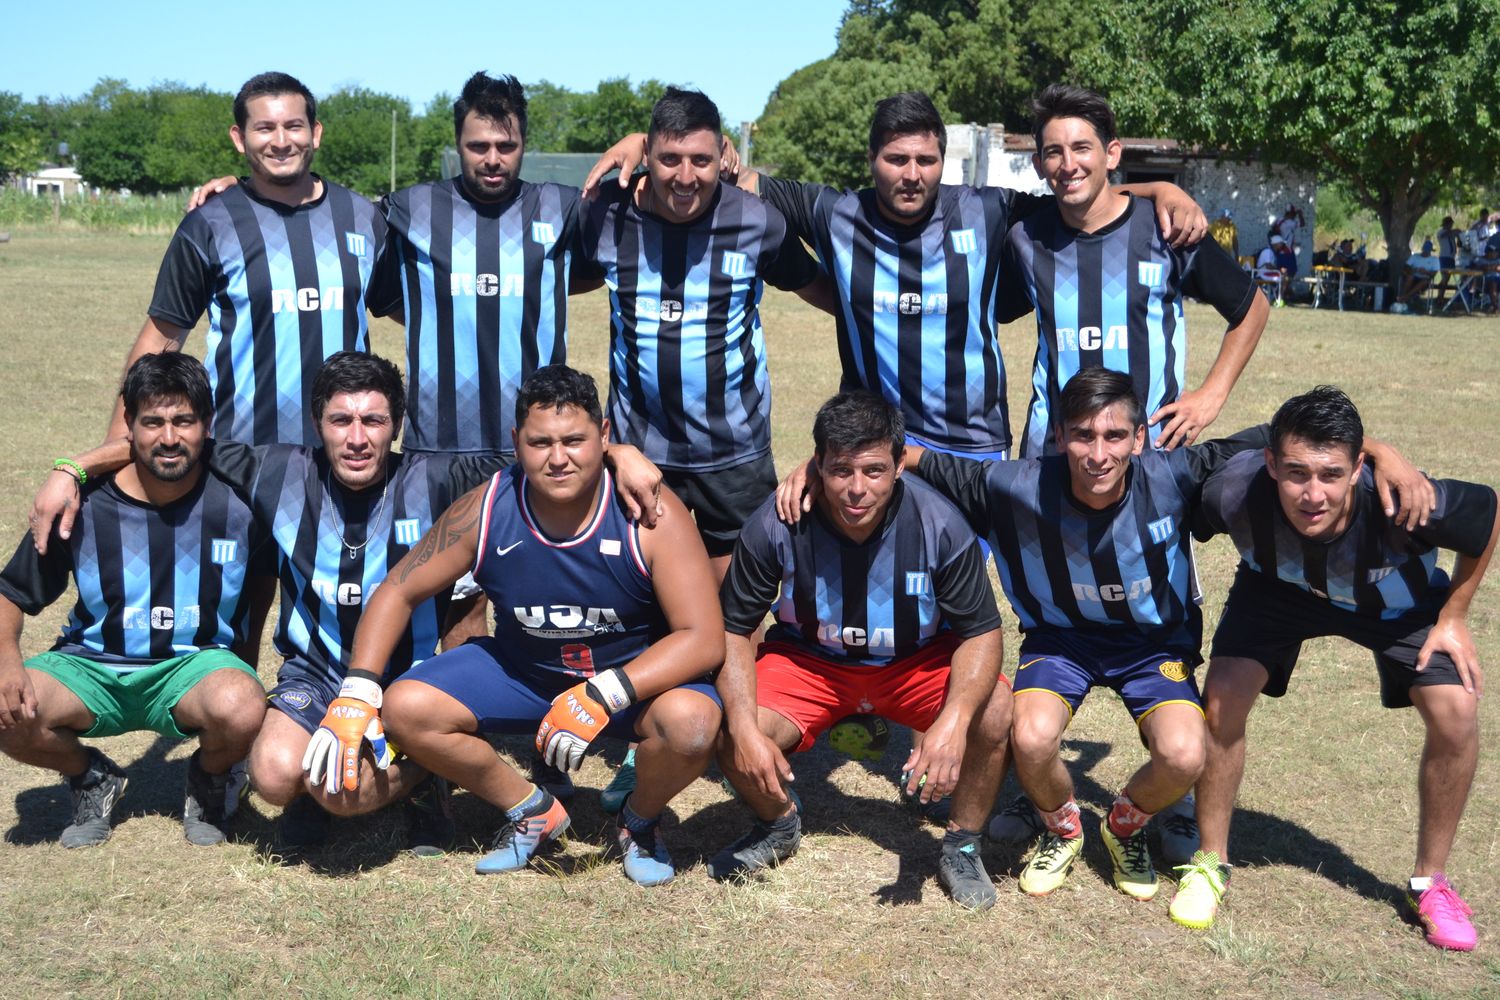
(153, 582)
(1374, 567)
(687, 357)
(917, 304)
(1112, 299)
(1067, 566)
(335, 546)
(565, 607)
(920, 575)
(284, 289)
(484, 288)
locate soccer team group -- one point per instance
(630, 553)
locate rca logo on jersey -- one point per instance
(567, 621)
(1150, 273)
(918, 584)
(1380, 573)
(734, 264)
(1093, 338)
(880, 638)
(543, 233)
(911, 304)
(1173, 670)
(1160, 530)
(486, 286)
(348, 595)
(307, 299)
(963, 241)
(408, 530)
(355, 244)
(1112, 593)
(222, 551)
(160, 618)
(670, 310)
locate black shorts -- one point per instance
(723, 500)
(1268, 620)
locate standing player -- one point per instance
(605, 628)
(882, 604)
(281, 263)
(159, 559)
(686, 259)
(1107, 287)
(1319, 557)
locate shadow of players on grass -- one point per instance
(1259, 838)
(155, 788)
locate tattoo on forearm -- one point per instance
(457, 521)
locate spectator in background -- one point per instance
(1421, 268)
(1286, 257)
(1344, 255)
(1288, 225)
(1225, 234)
(1447, 236)
(1269, 275)
(1490, 265)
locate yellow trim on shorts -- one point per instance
(1170, 701)
(1054, 694)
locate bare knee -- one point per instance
(687, 723)
(1181, 754)
(1034, 738)
(993, 724)
(276, 771)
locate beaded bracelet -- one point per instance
(68, 463)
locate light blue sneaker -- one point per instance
(618, 790)
(644, 855)
(518, 841)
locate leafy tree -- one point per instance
(192, 140)
(21, 149)
(1396, 99)
(356, 148)
(431, 133)
(614, 110)
(550, 111)
(114, 135)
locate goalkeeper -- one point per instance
(603, 628)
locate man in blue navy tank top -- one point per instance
(881, 604)
(604, 627)
(159, 556)
(1108, 287)
(281, 264)
(1320, 557)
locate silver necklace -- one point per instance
(333, 513)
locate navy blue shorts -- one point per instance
(303, 693)
(506, 700)
(1067, 663)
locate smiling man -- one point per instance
(281, 263)
(1107, 286)
(881, 604)
(1319, 557)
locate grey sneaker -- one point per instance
(1017, 823)
(430, 830)
(1178, 826)
(766, 844)
(204, 812)
(961, 872)
(556, 781)
(95, 794)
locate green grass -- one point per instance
(1323, 840)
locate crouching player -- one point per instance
(881, 605)
(603, 628)
(1319, 557)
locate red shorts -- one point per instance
(814, 693)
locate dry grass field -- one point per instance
(1323, 839)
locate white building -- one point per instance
(51, 182)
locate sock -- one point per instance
(1125, 817)
(94, 772)
(1064, 820)
(634, 822)
(790, 823)
(1420, 884)
(539, 801)
(957, 840)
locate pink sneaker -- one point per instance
(1444, 915)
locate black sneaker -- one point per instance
(204, 811)
(961, 872)
(95, 793)
(766, 844)
(555, 781)
(430, 830)
(304, 825)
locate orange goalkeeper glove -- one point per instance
(332, 755)
(579, 715)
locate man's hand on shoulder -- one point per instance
(204, 192)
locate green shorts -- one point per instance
(142, 698)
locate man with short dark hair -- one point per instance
(159, 557)
(881, 604)
(1319, 557)
(281, 263)
(603, 627)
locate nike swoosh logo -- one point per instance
(501, 552)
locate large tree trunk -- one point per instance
(1400, 208)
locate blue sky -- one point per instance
(418, 49)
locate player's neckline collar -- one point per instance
(247, 185)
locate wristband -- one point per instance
(63, 464)
(363, 688)
(612, 689)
